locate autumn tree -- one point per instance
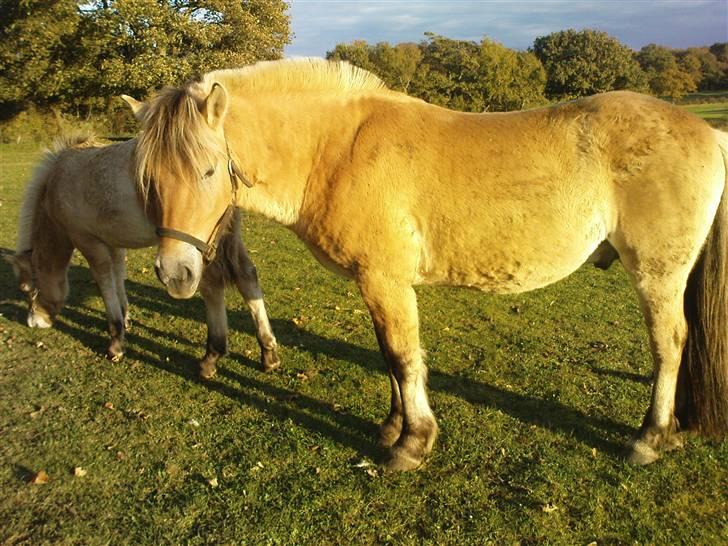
(586, 62)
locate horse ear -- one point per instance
(215, 105)
(136, 106)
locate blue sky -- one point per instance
(320, 24)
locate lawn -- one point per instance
(536, 396)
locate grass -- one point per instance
(711, 111)
(536, 395)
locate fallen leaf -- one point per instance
(120, 455)
(548, 508)
(212, 482)
(79, 471)
(373, 472)
(193, 422)
(40, 478)
(594, 452)
(109, 405)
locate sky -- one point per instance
(319, 25)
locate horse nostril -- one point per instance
(186, 274)
(158, 271)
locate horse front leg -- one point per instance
(410, 428)
(118, 257)
(101, 261)
(246, 279)
(212, 288)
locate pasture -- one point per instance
(536, 395)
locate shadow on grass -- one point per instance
(89, 327)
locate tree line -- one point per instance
(487, 76)
(77, 56)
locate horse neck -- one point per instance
(282, 144)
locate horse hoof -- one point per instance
(641, 454)
(401, 461)
(36, 321)
(207, 370)
(114, 356)
(269, 361)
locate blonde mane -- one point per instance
(175, 139)
(35, 188)
(295, 75)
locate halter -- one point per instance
(209, 249)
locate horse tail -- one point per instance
(702, 393)
(35, 189)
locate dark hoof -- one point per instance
(401, 460)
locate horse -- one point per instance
(83, 195)
(394, 192)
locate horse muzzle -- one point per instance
(180, 275)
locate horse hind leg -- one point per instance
(662, 305)
(410, 428)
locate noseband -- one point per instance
(209, 249)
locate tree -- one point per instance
(665, 76)
(586, 62)
(95, 50)
(510, 80)
(34, 43)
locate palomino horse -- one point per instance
(83, 195)
(394, 192)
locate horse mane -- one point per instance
(175, 139)
(295, 75)
(35, 189)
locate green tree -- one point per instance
(586, 62)
(35, 41)
(510, 80)
(665, 76)
(96, 50)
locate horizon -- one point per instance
(319, 25)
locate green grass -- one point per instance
(711, 111)
(536, 395)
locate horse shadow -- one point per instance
(87, 325)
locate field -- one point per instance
(536, 396)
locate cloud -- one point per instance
(320, 24)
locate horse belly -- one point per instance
(507, 259)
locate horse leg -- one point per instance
(246, 279)
(212, 288)
(393, 307)
(118, 256)
(661, 300)
(101, 261)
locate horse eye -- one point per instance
(209, 172)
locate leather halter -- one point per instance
(209, 249)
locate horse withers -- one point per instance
(394, 192)
(83, 195)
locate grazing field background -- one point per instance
(536, 395)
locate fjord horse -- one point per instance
(83, 195)
(394, 192)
